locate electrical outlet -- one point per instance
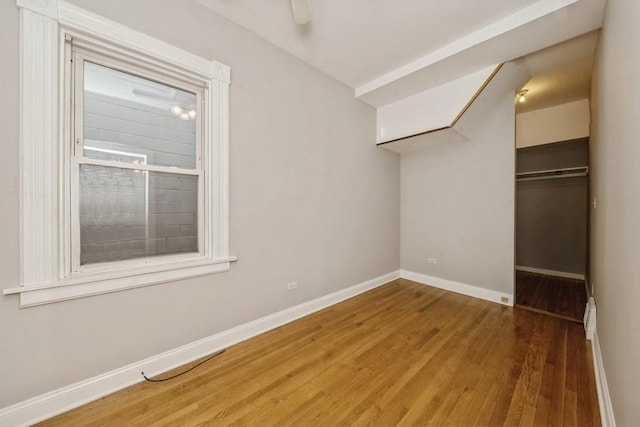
(504, 300)
(291, 286)
(432, 261)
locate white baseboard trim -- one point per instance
(460, 288)
(58, 401)
(564, 274)
(604, 398)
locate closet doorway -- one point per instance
(552, 196)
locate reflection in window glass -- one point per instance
(126, 115)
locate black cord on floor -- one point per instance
(182, 373)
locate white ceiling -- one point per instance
(560, 73)
(388, 49)
(356, 41)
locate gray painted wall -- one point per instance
(615, 223)
(458, 202)
(312, 200)
(551, 215)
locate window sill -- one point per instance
(79, 287)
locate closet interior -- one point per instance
(552, 193)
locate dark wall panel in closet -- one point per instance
(551, 214)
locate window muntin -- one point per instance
(137, 187)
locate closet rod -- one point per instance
(566, 175)
(584, 169)
(553, 174)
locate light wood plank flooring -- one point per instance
(555, 296)
(402, 354)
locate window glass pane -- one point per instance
(127, 213)
(129, 118)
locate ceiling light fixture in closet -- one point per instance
(522, 95)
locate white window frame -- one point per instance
(47, 273)
(77, 53)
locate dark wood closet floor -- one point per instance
(556, 296)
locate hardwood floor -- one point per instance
(556, 296)
(402, 354)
